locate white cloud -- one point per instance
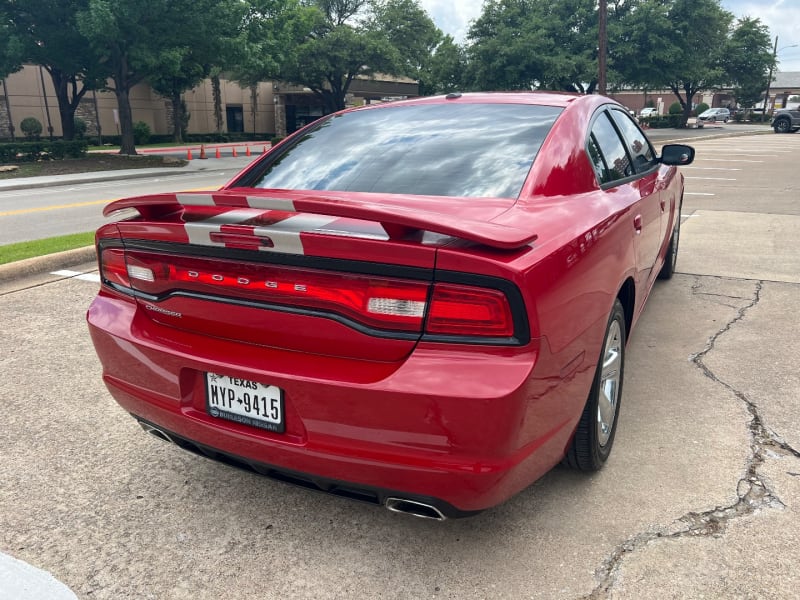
(453, 16)
(783, 19)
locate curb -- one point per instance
(90, 179)
(46, 263)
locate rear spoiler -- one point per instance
(397, 220)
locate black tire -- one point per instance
(594, 436)
(782, 125)
(671, 258)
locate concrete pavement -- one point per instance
(700, 500)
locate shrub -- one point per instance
(701, 108)
(80, 127)
(141, 133)
(31, 127)
(17, 152)
(276, 140)
(675, 108)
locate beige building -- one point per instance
(271, 108)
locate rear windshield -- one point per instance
(471, 150)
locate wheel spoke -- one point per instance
(608, 392)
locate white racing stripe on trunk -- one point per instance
(285, 235)
(199, 232)
(195, 199)
(270, 203)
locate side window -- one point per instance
(600, 168)
(617, 163)
(636, 142)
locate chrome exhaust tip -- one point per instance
(162, 435)
(414, 508)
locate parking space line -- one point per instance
(93, 277)
(713, 178)
(698, 194)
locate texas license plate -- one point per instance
(245, 401)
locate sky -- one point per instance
(781, 16)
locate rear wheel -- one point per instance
(782, 125)
(598, 424)
(671, 259)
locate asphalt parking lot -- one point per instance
(701, 498)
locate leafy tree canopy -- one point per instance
(534, 44)
(325, 44)
(748, 60)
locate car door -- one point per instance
(626, 163)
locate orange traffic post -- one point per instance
(189, 154)
(203, 151)
(234, 152)
(217, 154)
(265, 149)
(247, 151)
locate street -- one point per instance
(32, 214)
(701, 497)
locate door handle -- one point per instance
(637, 223)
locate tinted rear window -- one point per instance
(470, 150)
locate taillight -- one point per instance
(469, 311)
(377, 302)
(112, 267)
(381, 303)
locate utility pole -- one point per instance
(602, 47)
(769, 81)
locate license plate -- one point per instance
(245, 401)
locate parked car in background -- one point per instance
(712, 115)
(648, 112)
(423, 305)
(786, 120)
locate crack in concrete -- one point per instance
(753, 493)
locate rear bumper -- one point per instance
(462, 430)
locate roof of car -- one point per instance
(542, 98)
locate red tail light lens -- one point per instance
(378, 302)
(469, 311)
(113, 268)
(381, 303)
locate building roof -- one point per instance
(787, 79)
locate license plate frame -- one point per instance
(245, 401)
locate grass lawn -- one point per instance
(23, 250)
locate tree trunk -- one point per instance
(66, 105)
(128, 144)
(216, 90)
(122, 87)
(177, 117)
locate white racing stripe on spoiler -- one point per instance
(270, 203)
(195, 199)
(285, 235)
(199, 232)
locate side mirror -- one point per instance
(677, 154)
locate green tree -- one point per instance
(678, 44)
(748, 60)
(216, 34)
(325, 44)
(45, 33)
(444, 71)
(135, 41)
(535, 44)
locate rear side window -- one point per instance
(452, 149)
(616, 163)
(639, 148)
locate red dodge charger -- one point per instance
(423, 304)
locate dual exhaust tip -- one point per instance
(396, 505)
